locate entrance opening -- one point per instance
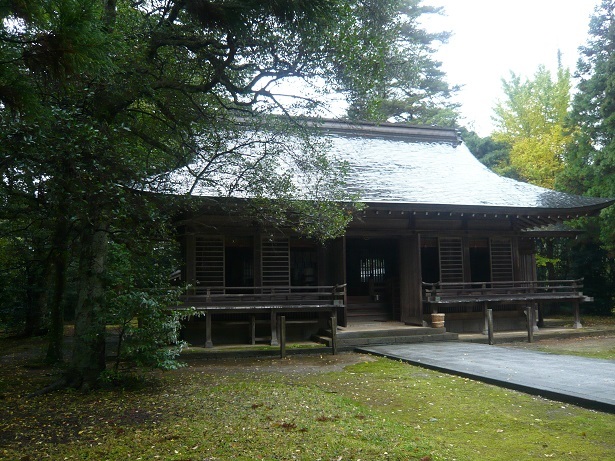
(303, 266)
(480, 267)
(372, 278)
(239, 267)
(430, 260)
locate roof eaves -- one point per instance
(556, 213)
(398, 131)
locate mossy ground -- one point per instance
(312, 407)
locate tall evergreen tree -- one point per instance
(408, 85)
(98, 95)
(590, 157)
(490, 153)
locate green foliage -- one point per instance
(590, 156)
(543, 261)
(285, 168)
(274, 409)
(394, 75)
(531, 121)
(13, 288)
(489, 152)
(586, 257)
(139, 296)
(98, 98)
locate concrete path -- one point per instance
(578, 380)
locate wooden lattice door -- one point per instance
(501, 260)
(275, 262)
(209, 261)
(451, 259)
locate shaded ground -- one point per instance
(308, 407)
(67, 416)
(296, 364)
(602, 346)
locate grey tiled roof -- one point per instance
(401, 171)
(415, 168)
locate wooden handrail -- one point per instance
(286, 295)
(282, 289)
(505, 283)
(441, 291)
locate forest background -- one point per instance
(95, 96)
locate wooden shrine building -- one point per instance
(440, 232)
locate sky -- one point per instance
(493, 37)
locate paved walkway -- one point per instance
(578, 380)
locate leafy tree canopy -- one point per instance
(490, 153)
(99, 95)
(408, 85)
(531, 121)
(590, 156)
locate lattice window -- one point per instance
(276, 262)
(501, 260)
(210, 261)
(451, 260)
(373, 268)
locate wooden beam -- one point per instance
(274, 328)
(208, 342)
(411, 308)
(334, 332)
(283, 336)
(577, 316)
(490, 326)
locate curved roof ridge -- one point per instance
(387, 130)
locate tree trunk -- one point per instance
(39, 283)
(55, 347)
(88, 358)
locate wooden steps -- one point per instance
(368, 312)
(372, 334)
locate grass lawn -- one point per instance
(597, 346)
(345, 407)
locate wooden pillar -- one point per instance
(322, 271)
(208, 342)
(253, 329)
(410, 289)
(529, 312)
(258, 260)
(190, 256)
(334, 332)
(274, 328)
(336, 265)
(283, 336)
(490, 326)
(577, 315)
(465, 249)
(517, 262)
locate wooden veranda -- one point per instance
(272, 301)
(529, 292)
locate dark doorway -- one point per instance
(303, 266)
(430, 260)
(372, 276)
(480, 267)
(239, 263)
